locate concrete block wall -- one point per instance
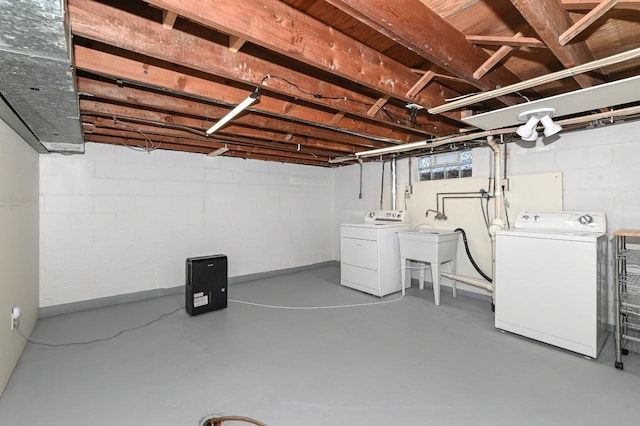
(117, 221)
(599, 168)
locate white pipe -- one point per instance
(394, 184)
(468, 280)
(433, 143)
(497, 223)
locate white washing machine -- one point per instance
(370, 254)
(551, 279)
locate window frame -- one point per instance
(440, 166)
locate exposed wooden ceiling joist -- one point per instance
(109, 64)
(125, 94)
(515, 41)
(418, 28)
(590, 4)
(283, 29)
(99, 22)
(336, 76)
(586, 20)
(549, 20)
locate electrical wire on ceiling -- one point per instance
(411, 120)
(149, 145)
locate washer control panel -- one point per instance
(584, 221)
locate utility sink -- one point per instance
(432, 246)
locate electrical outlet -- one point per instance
(16, 313)
(408, 190)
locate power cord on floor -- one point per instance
(57, 345)
(303, 308)
(103, 339)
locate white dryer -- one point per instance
(551, 279)
(370, 254)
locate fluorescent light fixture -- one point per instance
(218, 151)
(237, 110)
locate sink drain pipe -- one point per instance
(394, 184)
(497, 223)
(469, 280)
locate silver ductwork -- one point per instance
(37, 72)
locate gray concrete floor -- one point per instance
(402, 363)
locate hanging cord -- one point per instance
(473, 262)
(57, 345)
(315, 95)
(149, 146)
(506, 207)
(412, 118)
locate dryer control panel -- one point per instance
(584, 221)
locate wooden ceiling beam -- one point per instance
(263, 148)
(549, 20)
(336, 119)
(412, 24)
(174, 121)
(154, 100)
(377, 106)
(115, 27)
(590, 4)
(246, 154)
(279, 27)
(494, 59)
(102, 123)
(505, 41)
(588, 19)
(107, 64)
(427, 76)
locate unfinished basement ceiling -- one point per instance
(335, 75)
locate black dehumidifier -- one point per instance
(206, 284)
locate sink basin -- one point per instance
(432, 246)
(428, 245)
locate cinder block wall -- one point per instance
(599, 168)
(117, 221)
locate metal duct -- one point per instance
(37, 73)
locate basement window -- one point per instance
(449, 165)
